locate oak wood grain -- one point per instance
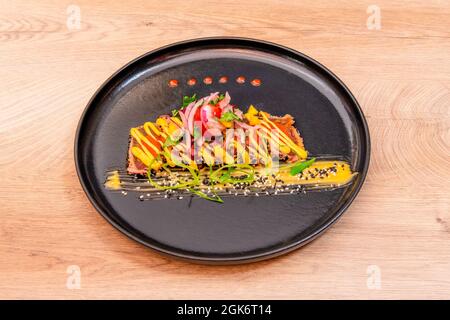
(400, 222)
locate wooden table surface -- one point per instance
(392, 243)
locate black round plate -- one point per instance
(243, 229)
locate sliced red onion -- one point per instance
(243, 125)
(225, 101)
(197, 103)
(200, 141)
(188, 109)
(203, 119)
(188, 143)
(184, 120)
(227, 108)
(191, 118)
(211, 97)
(213, 123)
(239, 113)
(212, 132)
(209, 122)
(200, 102)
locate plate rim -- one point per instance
(248, 258)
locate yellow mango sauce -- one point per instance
(322, 173)
(113, 181)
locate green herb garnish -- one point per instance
(296, 169)
(180, 185)
(203, 195)
(227, 174)
(171, 141)
(216, 100)
(185, 102)
(229, 116)
(189, 184)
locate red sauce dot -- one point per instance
(192, 81)
(256, 82)
(240, 79)
(207, 80)
(173, 83)
(223, 79)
